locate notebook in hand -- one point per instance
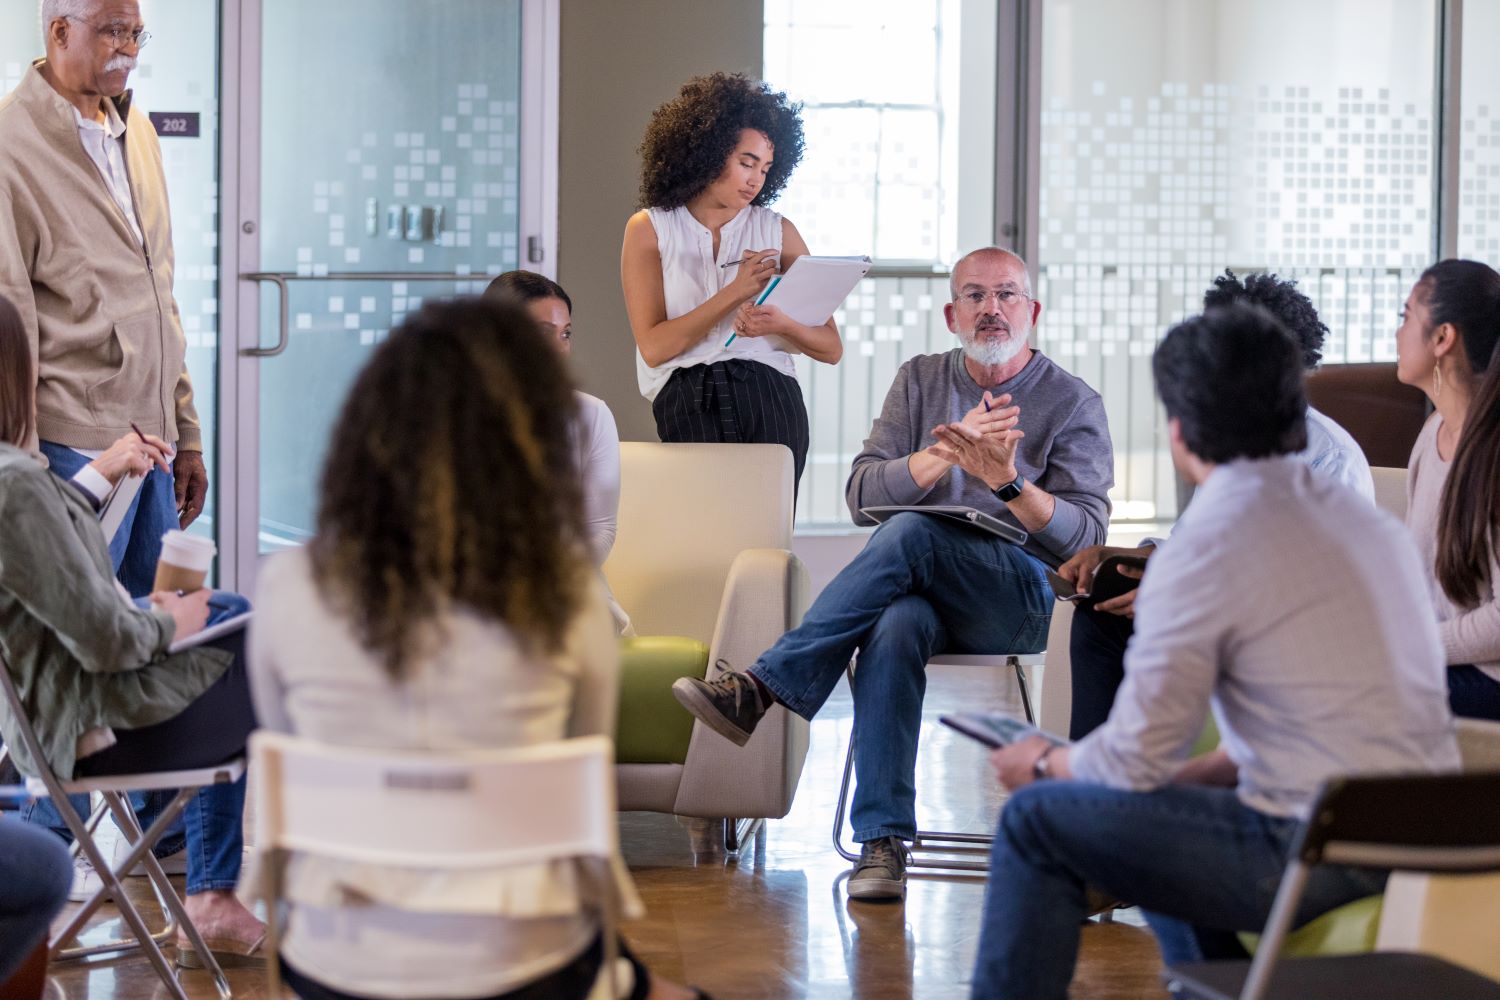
(963, 515)
(995, 730)
(212, 632)
(813, 287)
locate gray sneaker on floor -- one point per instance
(881, 871)
(730, 706)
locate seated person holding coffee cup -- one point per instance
(109, 698)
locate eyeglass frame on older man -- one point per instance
(116, 32)
(1004, 297)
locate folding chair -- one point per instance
(479, 809)
(1433, 823)
(930, 846)
(115, 791)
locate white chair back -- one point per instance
(478, 808)
(1390, 490)
(686, 512)
(459, 810)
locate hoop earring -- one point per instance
(1437, 381)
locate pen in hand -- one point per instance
(735, 263)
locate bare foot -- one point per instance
(218, 914)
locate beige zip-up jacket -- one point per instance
(105, 333)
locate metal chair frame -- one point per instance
(934, 848)
(115, 790)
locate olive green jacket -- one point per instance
(80, 655)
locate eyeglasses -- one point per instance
(1005, 298)
(119, 36)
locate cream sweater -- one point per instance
(1469, 635)
(96, 302)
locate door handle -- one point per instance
(281, 278)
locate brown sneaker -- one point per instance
(730, 706)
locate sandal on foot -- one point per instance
(231, 954)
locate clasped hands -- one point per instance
(984, 442)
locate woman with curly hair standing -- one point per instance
(701, 250)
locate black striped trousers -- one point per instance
(734, 401)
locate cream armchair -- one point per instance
(704, 551)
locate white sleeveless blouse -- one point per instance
(691, 276)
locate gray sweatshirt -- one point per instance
(1066, 450)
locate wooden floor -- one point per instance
(775, 923)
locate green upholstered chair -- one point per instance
(653, 727)
(702, 563)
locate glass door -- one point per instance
(390, 152)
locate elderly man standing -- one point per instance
(992, 425)
(86, 255)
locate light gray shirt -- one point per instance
(1333, 451)
(1066, 450)
(1299, 612)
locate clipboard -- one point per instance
(963, 515)
(812, 288)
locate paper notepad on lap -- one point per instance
(813, 287)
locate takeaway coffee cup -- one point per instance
(184, 562)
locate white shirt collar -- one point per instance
(113, 123)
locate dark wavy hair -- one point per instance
(450, 483)
(1281, 299)
(690, 138)
(1466, 293)
(17, 378)
(1233, 379)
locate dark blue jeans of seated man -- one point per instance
(213, 819)
(921, 586)
(1201, 864)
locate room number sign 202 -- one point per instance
(175, 124)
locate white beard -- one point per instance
(991, 353)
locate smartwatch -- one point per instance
(1042, 769)
(1012, 489)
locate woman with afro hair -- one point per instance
(715, 366)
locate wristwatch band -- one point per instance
(1042, 769)
(1012, 489)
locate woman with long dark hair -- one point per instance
(1446, 347)
(447, 601)
(704, 245)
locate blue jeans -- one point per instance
(1201, 864)
(211, 827)
(921, 586)
(136, 547)
(35, 874)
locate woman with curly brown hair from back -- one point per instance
(701, 249)
(446, 602)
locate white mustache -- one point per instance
(119, 62)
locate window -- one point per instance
(1479, 135)
(1178, 140)
(898, 107)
